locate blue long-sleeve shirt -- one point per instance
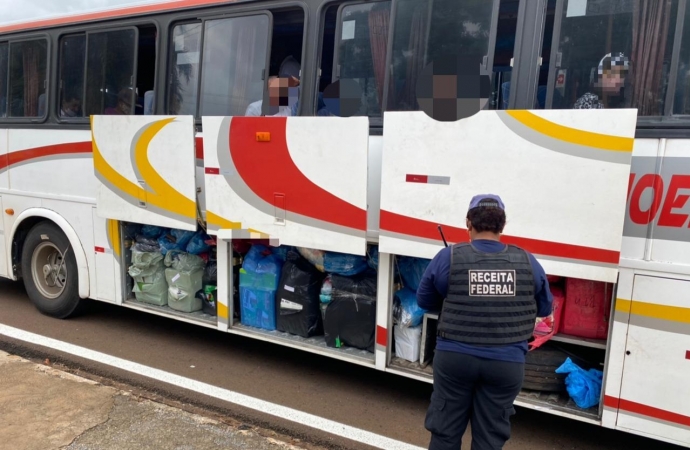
(434, 288)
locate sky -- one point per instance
(21, 11)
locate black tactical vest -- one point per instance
(490, 298)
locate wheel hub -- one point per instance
(49, 270)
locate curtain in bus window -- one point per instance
(379, 22)
(417, 51)
(27, 78)
(651, 20)
(234, 58)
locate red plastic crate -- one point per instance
(587, 308)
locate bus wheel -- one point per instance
(50, 271)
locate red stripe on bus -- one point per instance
(396, 223)
(611, 402)
(199, 147)
(416, 178)
(649, 411)
(381, 336)
(112, 14)
(267, 168)
(100, 250)
(687, 354)
(41, 152)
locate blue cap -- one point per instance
(489, 200)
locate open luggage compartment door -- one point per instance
(299, 180)
(562, 174)
(146, 169)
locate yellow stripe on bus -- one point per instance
(222, 311)
(169, 198)
(572, 135)
(215, 219)
(654, 311)
(114, 236)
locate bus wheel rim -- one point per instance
(49, 270)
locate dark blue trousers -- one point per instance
(472, 390)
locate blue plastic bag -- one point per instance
(197, 244)
(282, 251)
(344, 264)
(412, 270)
(174, 240)
(406, 312)
(260, 259)
(584, 387)
(151, 231)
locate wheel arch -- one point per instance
(32, 216)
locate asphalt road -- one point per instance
(385, 404)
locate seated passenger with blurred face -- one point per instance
(124, 103)
(70, 107)
(611, 73)
(288, 76)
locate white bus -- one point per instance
(135, 116)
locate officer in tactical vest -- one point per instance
(489, 295)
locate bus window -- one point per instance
(503, 53)
(286, 57)
(27, 78)
(4, 48)
(71, 69)
(110, 72)
(429, 29)
(183, 75)
(362, 44)
(612, 55)
(146, 68)
(234, 62)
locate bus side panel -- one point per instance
(146, 168)
(562, 174)
(107, 253)
(646, 164)
(667, 204)
(616, 347)
(4, 161)
(655, 388)
(299, 180)
(4, 263)
(56, 163)
(4, 184)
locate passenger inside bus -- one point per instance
(612, 72)
(288, 75)
(124, 103)
(71, 107)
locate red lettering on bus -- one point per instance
(649, 180)
(673, 200)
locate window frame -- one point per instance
(666, 125)
(48, 90)
(58, 92)
(267, 62)
(169, 65)
(135, 64)
(373, 121)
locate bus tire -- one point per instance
(49, 271)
